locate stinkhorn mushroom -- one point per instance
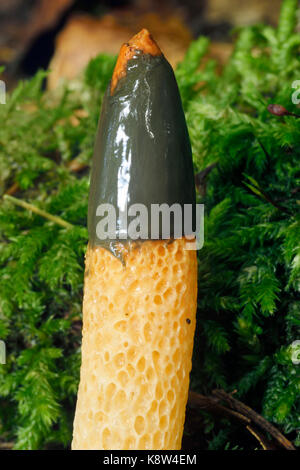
(139, 303)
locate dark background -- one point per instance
(65, 34)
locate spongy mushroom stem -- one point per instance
(140, 297)
(138, 328)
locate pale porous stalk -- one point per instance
(138, 329)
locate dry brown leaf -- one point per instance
(85, 37)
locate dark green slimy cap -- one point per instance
(142, 153)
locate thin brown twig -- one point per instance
(12, 189)
(254, 417)
(212, 405)
(201, 178)
(266, 197)
(25, 205)
(265, 444)
(76, 166)
(6, 445)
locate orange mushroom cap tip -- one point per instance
(141, 41)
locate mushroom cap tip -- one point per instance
(142, 41)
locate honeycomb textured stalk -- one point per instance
(138, 329)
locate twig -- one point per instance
(12, 189)
(265, 196)
(25, 205)
(266, 445)
(212, 404)
(275, 204)
(76, 166)
(254, 417)
(201, 178)
(6, 445)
